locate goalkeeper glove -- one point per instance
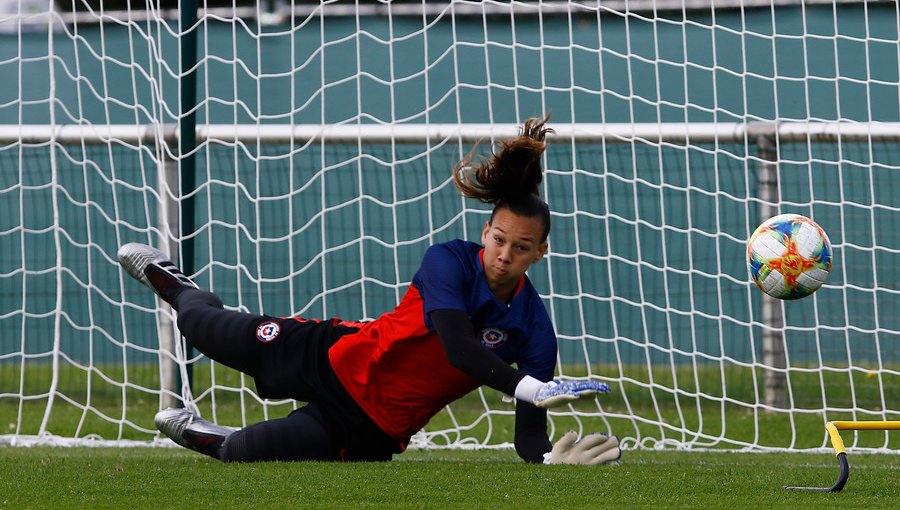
(590, 450)
(556, 393)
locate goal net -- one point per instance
(298, 163)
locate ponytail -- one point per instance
(511, 177)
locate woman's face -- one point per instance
(511, 244)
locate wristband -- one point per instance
(527, 388)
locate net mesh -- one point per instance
(646, 278)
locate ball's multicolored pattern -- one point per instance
(789, 256)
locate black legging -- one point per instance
(332, 429)
(222, 335)
(302, 435)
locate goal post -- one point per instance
(594, 279)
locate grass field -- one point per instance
(137, 478)
(116, 410)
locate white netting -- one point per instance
(325, 141)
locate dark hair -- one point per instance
(511, 177)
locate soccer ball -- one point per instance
(789, 256)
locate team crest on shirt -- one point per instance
(493, 337)
(268, 331)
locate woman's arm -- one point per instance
(531, 432)
(466, 353)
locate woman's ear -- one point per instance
(542, 250)
(484, 233)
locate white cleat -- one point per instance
(172, 423)
(191, 431)
(153, 268)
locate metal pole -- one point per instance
(188, 142)
(774, 377)
(169, 226)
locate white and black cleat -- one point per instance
(153, 268)
(191, 431)
(172, 423)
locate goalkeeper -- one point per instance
(469, 313)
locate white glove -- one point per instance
(590, 450)
(556, 393)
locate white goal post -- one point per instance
(295, 157)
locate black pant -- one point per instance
(287, 358)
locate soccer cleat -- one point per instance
(191, 431)
(153, 268)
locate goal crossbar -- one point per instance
(467, 133)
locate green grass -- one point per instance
(137, 478)
(682, 417)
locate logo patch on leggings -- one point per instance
(268, 331)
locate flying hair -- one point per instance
(515, 169)
(511, 177)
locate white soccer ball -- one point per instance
(789, 256)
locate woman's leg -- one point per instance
(302, 435)
(225, 336)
